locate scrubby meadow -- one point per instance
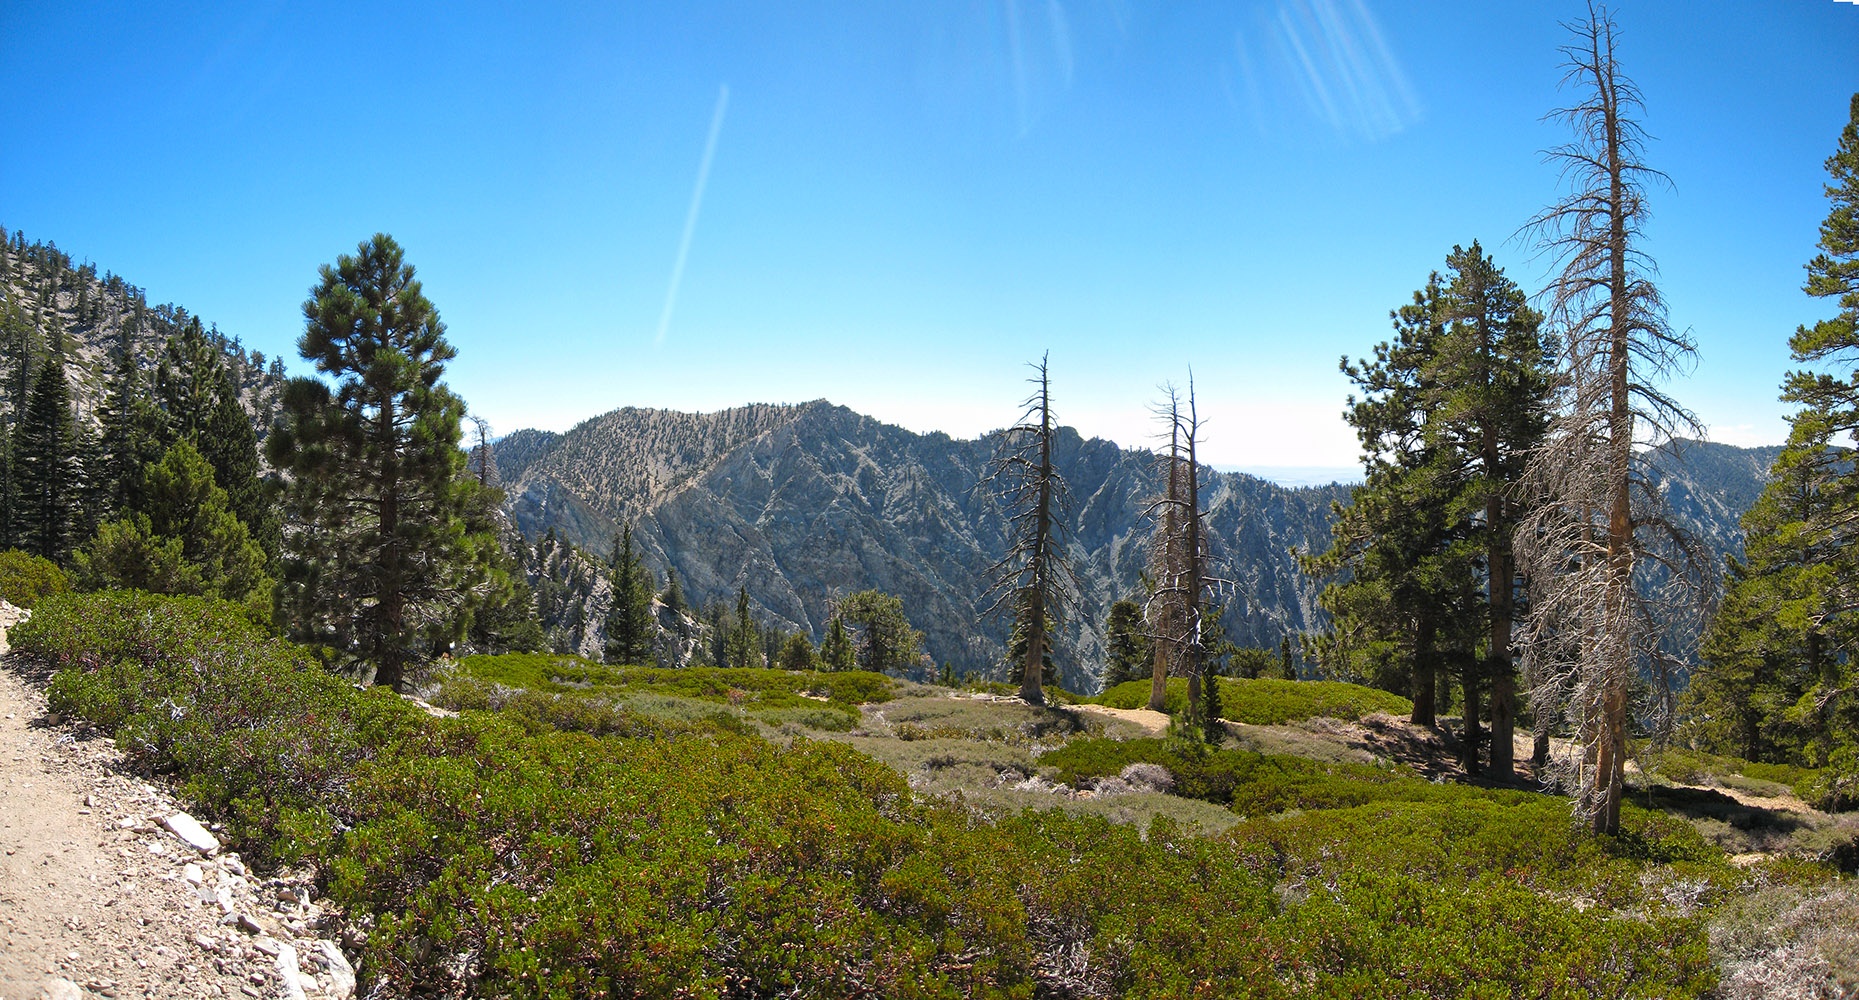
(541, 826)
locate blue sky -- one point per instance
(904, 203)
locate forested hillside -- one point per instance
(48, 300)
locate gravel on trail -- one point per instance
(100, 897)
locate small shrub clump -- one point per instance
(27, 579)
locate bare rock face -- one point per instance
(802, 505)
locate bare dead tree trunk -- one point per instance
(1194, 573)
(1178, 559)
(482, 428)
(1164, 560)
(1033, 580)
(1592, 629)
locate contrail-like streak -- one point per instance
(690, 217)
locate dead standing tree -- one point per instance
(1602, 534)
(1177, 556)
(1033, 582)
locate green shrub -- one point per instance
(1268, 702)
(736, 685)
(25, 580)
(1252, 784)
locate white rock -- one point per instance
(341, 973)
(287, 971)
(267, 945)
(192, 873)
(223, 896)
(61, 989)
(189, 830)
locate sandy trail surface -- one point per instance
(99, 899)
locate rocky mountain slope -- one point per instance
(804, 504)
(47, 297)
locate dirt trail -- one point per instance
(1154, 722)
(98, 899)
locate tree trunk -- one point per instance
(1617, 650)
(1424, 654)
(1193, 601)
(1470, 669)
(1503, 679)
(390, 596)
(1165, 637)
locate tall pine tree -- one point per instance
(629, 624)
(379, 560)
(47, 465)
(1779, 675)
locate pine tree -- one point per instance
(8, 501)
(379, 561)
(1494, 380)
(1033, 581)
(1125, 644)
(836, 646)
(745, 641)
(1287, 665)
(46, 465)
(188, 384)
(133, 430)
(673, 597)
(1177, 552)
(629, 624)
(797, 654)
(882, 639)
(1396, 560)
(1778, 677)
(187, 541)
(230, 446)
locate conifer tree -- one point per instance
(1033, 581)
(797, 654)
(1494, 381)
(133, 429)
(9, 500)
(185, 541)
(1287, 665)
(882, 639)
(188, 383)
(673, 597)
(1778, 677)
(46, 465)
(629, 624)
(836, 646)
(230, 446)
(745, 641)
(1126, 645)
(379, 560)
